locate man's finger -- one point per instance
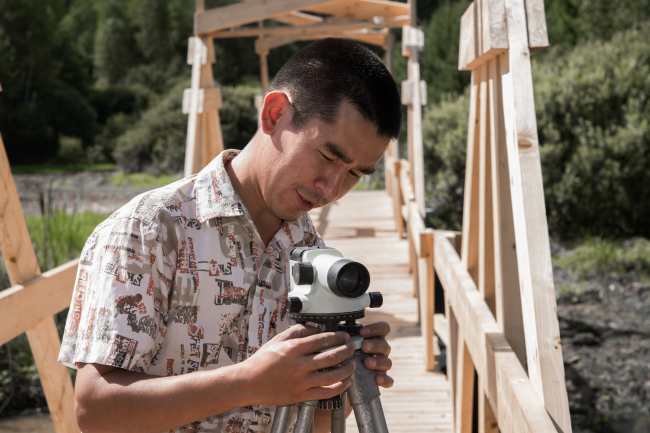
(379, 329)
(297, 331)
(329, 377)
(378, 347)
(322, 341)
(322, 392)
(332, 357)
(384, 380)
(378, 363)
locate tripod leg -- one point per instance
(338, 416)
(364, 398)
(304, 421)
(281, 419)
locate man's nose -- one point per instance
(330, 184)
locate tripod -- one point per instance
(363, 394)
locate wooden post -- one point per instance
(204, 140)
(397, 199)
(470, 207)
(20, 261)
(412, 96)
(427, 298)
(464, 389)
(486, 228)
(506, 274)
(545, 365)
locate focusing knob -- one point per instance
(351, 328)
(303, 273)
(295, 305)
(331, 403)
(376, 300)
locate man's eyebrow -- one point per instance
(334, 150)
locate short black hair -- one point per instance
(322, 75)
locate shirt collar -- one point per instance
(214, 193)
(216, 197)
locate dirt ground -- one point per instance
(605, 330)
(605, 335)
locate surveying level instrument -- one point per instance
(328, 289)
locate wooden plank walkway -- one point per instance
(362, 227)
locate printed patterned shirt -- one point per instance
(177, 281)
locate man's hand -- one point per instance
(285, 370)
(376, 344)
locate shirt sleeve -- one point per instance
(119, 308)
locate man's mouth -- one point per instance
(305, 203)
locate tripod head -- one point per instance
(327, 288)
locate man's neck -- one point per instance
(242, 173)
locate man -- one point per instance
(193, 277)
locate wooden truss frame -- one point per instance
(501, 320)
(367, 21)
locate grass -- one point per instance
(58, 237)
(141, 180)
(595, 256)
(59, 168)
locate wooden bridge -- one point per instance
(500, 328)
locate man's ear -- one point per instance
(276, 110)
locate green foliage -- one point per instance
(114, 45)
(58, 237)
(156, 143)
(595, 256)
(439, 64)
(238, 115)
(593, 112)
(444, 130)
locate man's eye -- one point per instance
(356, 174)
(325, 156)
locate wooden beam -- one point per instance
(299, 31)
(485, 224)
(362, 9)
(397, 198)
(509, 391)
(470, 203)
(506, 274)
(44, 343)
(483, 33)
(452, 350)
(43, 296)
(293, 18)
(21, 264)
(468, 45)
(545, 365)
(238, 14)
(427, 300)
(536, 25)
(464, 388)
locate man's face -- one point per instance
(319, 163)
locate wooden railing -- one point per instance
(30, 304)
(500, 317)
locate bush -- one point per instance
(593, 117)
(593, 122)
(156, 144)
(238, 115)
(444, 130)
